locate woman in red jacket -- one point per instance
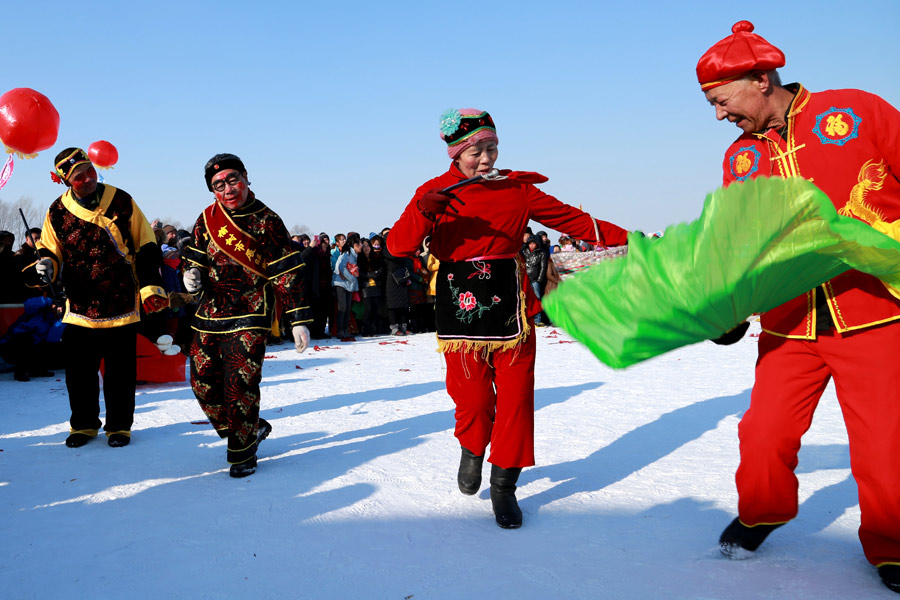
(484, 306)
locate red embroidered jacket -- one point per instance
(492, 221)
(847, 142)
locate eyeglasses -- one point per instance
(232, 180)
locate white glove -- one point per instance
(44, 268)
(301, 337)
(192, 280)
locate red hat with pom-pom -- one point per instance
(735, 56)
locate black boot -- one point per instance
(890, 575)
(118, 440)
(77, 440)
(738, 536)
(469, 476)
(503, 497)
(262, 430)
(243, 469)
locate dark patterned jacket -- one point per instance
(108, 257)
(235, 298)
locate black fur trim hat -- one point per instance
(221, 162)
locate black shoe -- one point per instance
(738, 536)
(21, 375)
(469, 476)
(262, 430)
(41, 373)
(890, 575)
(77, 440)
(243, 469)
(117, 440)
(503, 497)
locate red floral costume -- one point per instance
(490, 377)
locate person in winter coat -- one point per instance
(322, 303)
(399, 278)
(536, 268)
(31, 343)
(308, 254)
(344, 280)
(429, 274)
(374, 272)
(12, 290)
(484, 304)
(27, 256)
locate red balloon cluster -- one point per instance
(103, 154)
(29, 122)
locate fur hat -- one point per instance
(221, 162)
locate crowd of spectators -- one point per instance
(354, 286)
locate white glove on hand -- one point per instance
(192, 280)
(44, 268)
(301, 337)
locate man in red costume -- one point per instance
(846, 142)
(484, 305)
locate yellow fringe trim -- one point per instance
(124, 432)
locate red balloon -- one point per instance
(103, 154)
(29, 122)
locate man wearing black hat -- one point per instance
(98, 238)
(240, 259)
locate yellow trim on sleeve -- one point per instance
(152, 290)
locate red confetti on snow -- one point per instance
(331, 370)
(269, 356)
(565, 342)
(297, 367)
(396, 342)
(320, 348)
(199, 422)
(404, 369)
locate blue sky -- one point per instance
(334, 107)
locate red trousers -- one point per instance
(790, 378)
(494, 399)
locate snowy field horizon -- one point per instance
(355, 495)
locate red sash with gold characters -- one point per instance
(239, 245)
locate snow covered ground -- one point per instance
(356, 497)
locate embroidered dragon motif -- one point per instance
(871, 177)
